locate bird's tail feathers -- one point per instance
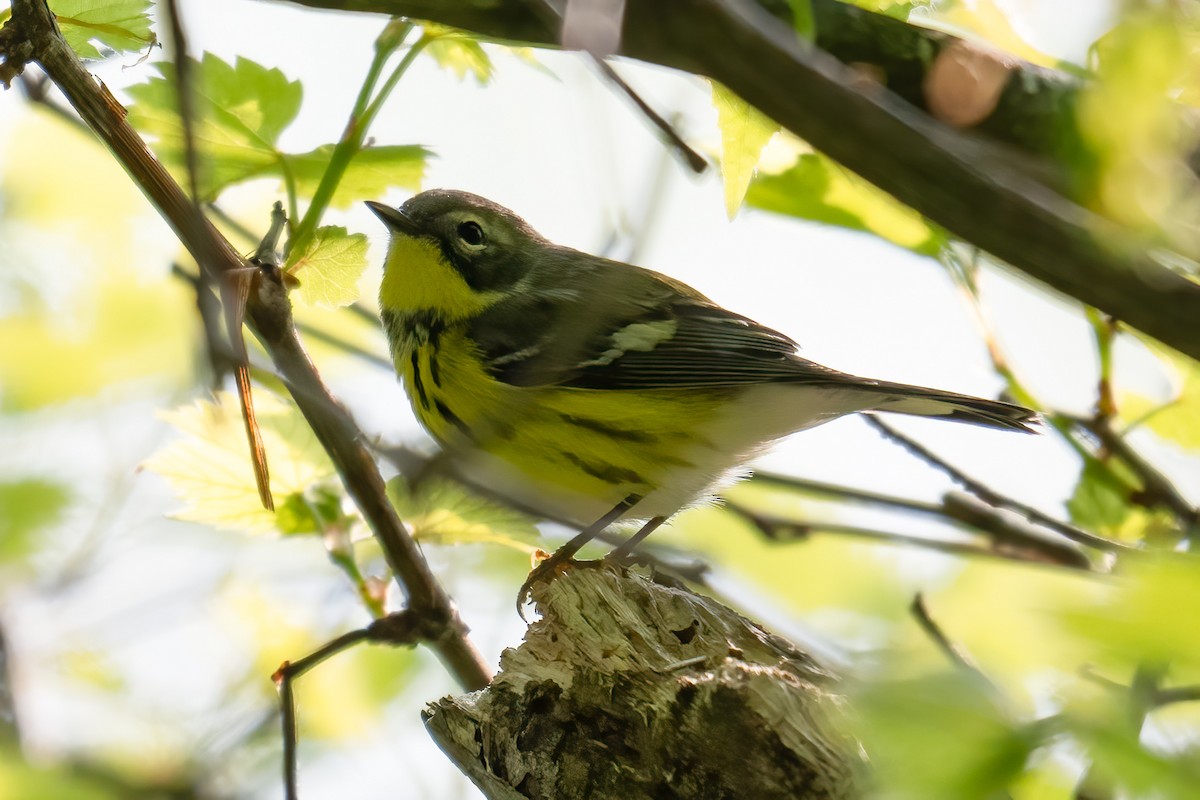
(921, 402)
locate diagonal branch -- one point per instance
(32, 35)
(975, 188)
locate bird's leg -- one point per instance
(626, 547)
(546, 569)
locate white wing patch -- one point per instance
(638, 336)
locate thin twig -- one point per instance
(848, 493)
(992, 497)
(953, 651)
(697, 162)
(779, 529)
(1006, 530)
(404, 628)
(287, 673)
(185, 97)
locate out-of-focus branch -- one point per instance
(975, 188)
(1010, 535)
(780, 528)
(994, 498)
(32, 35)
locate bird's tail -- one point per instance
(903, 399)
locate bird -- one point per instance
(593, 389)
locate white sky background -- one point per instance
(579, 162)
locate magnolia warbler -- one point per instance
(592, 389)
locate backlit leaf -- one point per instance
(820, 190)
(329, 267)
(370, 174)
(1178, 420)
(745, 131)
(447, 512)
(121, 25)
(240, 110)
(209, 467)
(458, 52)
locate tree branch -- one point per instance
(631, 687)
(971, 186)
(32, 35)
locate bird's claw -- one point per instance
(544, 571)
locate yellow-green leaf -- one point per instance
(27, 506)
(458, 52)
(745, 131)
(209, 467)
(1177, 421)
(370, 173)
(122, 25)
(1150, 617)
(240, 111)
(818, 189)
(447, 512)
(329, 267)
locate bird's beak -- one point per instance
(394, 218)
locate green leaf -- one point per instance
(240, 111)
(817, 189)
(121, 25)
(210, 466)
(329, 267)
(803, 20)
(1150, 615)
(310, 512)
(1100, 502)
(1178, 421)
(26, 507)
(447, 512)
(458, 52)
(370, 174)
(1119, 758)
(940, 737)
(23, 779)
(745, 131)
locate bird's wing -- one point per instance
(619, 327)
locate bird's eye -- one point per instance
(471, 234)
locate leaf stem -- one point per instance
(361, 115)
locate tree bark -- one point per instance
(632, 687)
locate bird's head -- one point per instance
(453, 253)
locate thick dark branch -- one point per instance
(965, 183)
(31, 34)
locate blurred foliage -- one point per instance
(27, 506)
(1130, 115)
(1058, 697)
(209, 468)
